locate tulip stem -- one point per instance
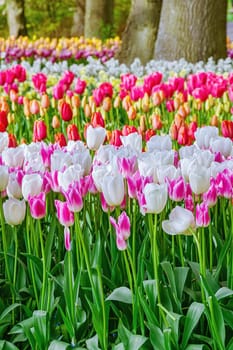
(44, 267)
(4, 243)
(15, 269)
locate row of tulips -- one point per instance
(58, 49)
(55, 110)
(106, 246)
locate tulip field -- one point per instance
(116, 201)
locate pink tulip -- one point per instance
(122, 228)
(224, 183)
(39, 81)
(65, 216)
(73, 198)
(128, 80)
(127, 166)
(80, 86)
(176, 189)
(67, 241)
(202, 215)
(37, 205)
(210, 196)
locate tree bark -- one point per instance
(96, 17)
(193, 29)
(16, 18)
(77, 28)
(140, 34)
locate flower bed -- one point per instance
(116, 207)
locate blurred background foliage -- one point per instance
(55, 18)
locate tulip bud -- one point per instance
(56, 122)
(131, 113)
(156, 122)
(75, 101)
(34, 107)
(214, 121)
(87, 110)
(156, 98)
(45, 102)
(117, 102)
(3, 121)
(142, 123)
(107, 104)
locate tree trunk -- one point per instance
(95, 17)
(141, 30)
(77, 28)
(193, 29)
(16, 18)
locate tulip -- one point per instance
(199, 179)
(67, 241)
(122, 228)
(227, 128)
(13, 157)
(116, 138)
(72, 132)
(64, 215)
(202, 215)
(12, 141)
(60, 139)
(4, 141)
(39, 130)
(97, 120)
(155, 198)
(3, 121)
(37, 205)
(13, 188)
(113, 189)
(181, 221)
(66, 112)
(222, 145)
(224, 183)
(204, 135)
(69, 175)
(34, 107)
(73, 198)
(4, 176)
(39, 81)
(176, 189)
(14, 211)
(31, 185)
(159, 142)
(127, 166)
(80, 86)
(95, 137)
(133, 140)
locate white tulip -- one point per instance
(180, 221)
(204, 135)
(113, 189)
(155, 197)
(133, 140)
(199, 179)
(60, 160)
(223, 145)
(69, 175)
(14, 211)
(4, 177)
(4, 140)
(160, 143)
(31, 185)
(95, 137)
(13, 157)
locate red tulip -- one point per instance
(97, 120)
(39, 130)
(72, 132)
(227, 128)
(60, 139)
(116, 138)
(66, 111)
(3, 121)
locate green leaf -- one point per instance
(167, 268)
(222, 256)
(151, 292)
(217, 321)
(156, 337)
(228, 317)
(230, 345)
(8, 310)
(5, 345)
(223, 293)
(180, 274)
(92, 343)
(122, 294)
(130, 340)
(58, 345)
(191, 319)
(40, 319)
(196, 347)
